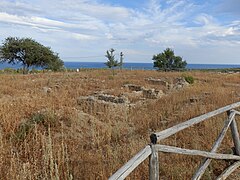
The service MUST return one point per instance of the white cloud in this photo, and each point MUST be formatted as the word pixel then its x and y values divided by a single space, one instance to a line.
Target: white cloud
pixel 204 20
pixel 79 36
pixel 86 26
pixel 28 21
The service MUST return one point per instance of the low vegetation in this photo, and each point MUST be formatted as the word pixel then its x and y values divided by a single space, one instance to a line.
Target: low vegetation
pixel 189 79
pixel 46 132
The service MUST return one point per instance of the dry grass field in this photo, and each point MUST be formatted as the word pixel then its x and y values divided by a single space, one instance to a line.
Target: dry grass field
pixel 45 133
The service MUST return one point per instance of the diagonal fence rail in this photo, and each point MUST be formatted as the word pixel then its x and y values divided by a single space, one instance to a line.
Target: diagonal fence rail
pixel 153 148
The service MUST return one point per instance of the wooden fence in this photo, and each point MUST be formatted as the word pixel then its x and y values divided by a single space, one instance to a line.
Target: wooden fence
pixel 153 148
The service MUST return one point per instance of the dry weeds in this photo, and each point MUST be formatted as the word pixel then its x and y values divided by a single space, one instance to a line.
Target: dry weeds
pixel 45 135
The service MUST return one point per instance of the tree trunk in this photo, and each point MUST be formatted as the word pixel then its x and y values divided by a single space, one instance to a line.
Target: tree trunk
pixel 25 68
pixel 113 72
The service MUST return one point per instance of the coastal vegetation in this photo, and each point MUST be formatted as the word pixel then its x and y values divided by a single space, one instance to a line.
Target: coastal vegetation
pixel 29 53
pixel 167 61
pixel 189 79
pixel 112 62
pixel 85 125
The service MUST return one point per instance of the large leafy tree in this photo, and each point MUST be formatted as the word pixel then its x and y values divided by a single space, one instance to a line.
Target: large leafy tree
pixel 168 61
pixel 29 53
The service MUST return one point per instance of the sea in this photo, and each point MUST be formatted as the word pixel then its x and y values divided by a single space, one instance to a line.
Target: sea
pixel 127 65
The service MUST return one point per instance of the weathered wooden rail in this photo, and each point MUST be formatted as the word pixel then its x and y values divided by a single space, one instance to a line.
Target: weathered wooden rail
pixel 153 148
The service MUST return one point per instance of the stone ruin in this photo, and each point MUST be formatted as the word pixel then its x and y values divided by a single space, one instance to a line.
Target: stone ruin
pixel 152 93
pixel 101 103
pixel 145 92
pixel 180 83
pixel 133 87
pixel 104 104
pixel 112 99
pixel 177 83
pixel 161 82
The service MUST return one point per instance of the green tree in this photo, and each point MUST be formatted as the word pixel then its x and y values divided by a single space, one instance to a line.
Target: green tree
pixel 29 53
pixel 168 61
pixel 111 61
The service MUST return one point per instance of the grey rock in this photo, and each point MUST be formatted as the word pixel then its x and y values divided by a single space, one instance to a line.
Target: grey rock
pixel 162 82
pixel 133 87
pixel 47 89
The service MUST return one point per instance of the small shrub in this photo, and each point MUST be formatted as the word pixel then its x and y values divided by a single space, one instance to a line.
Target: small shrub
pixel 20 70
pixel 189 79
pixel 44 118
pixel 111 77
pixel 9 70
pixel 34 71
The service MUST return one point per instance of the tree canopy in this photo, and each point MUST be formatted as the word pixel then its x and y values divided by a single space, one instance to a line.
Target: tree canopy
pixel 111 62
pixel 29 53
pixel 168 61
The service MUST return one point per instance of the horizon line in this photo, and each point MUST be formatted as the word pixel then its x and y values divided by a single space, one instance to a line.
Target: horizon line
pixel 151 63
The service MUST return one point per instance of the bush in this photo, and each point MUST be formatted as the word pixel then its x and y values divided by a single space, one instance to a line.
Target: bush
pixel 9 70
pixel 44 118
pixel 34 71
pixel 189 79
pixel 167 61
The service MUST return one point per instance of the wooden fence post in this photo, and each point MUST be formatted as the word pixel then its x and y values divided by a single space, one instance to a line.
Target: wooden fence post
pixel 153 160
pixel 235 134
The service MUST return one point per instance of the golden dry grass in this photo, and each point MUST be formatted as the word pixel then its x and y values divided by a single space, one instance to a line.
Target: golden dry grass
pixel 46 135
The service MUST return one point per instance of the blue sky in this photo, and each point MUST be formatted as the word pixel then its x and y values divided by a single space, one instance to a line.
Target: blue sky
pixel 82 30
